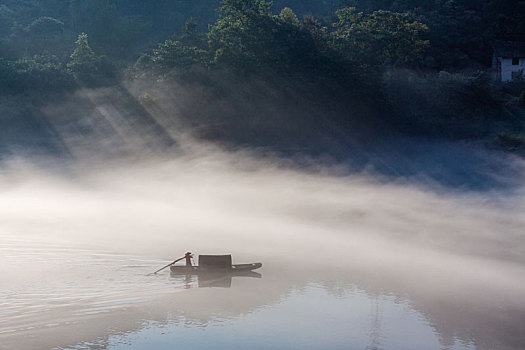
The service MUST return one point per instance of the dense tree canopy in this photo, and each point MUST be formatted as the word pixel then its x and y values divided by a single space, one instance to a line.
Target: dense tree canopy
pixel 459 32
pixel 86 66
pixel 357 50
pixel 381 38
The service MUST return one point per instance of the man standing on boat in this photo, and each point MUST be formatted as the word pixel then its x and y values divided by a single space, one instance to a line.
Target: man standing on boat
pixel 188 257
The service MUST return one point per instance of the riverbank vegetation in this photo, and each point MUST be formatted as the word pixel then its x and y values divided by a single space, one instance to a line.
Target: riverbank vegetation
pixel 415 68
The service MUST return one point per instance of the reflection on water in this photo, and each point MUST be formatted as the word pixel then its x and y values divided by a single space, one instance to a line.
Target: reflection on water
pixel 214 280
pixel 55 297
pixel 307 318
pixel 211 279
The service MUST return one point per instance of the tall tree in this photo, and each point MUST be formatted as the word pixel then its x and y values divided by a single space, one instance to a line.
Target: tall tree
pixel 243 35
pixel 83 58
pixel 182 51
pixel 88 68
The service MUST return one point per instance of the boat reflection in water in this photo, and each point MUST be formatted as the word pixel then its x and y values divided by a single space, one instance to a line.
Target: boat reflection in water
pixel 213 271
pixel 212 279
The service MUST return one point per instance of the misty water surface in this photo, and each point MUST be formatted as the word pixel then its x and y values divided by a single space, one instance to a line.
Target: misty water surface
pixel 349 260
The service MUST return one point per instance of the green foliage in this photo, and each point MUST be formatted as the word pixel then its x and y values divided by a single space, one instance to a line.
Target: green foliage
pixel 360 54
pixel 288 16
pixel 248 37
pixel 40 74
pixel 144 61
pixel 460 31
pixel 99 18
pixel 175 54
pixel 237 8
pixel 190 34
pixel 243 35
pixel 88 68
pixel 380 38
pixel 182 51
pixel 83 58
pixel 43 36
pixel 45 26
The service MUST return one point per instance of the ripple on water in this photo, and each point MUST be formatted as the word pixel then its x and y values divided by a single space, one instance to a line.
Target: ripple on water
pixel 43 280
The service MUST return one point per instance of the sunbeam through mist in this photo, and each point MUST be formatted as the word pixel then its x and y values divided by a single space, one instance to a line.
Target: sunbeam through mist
pixel 263 175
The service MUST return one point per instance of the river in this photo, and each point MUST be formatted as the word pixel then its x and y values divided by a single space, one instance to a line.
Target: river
pixel 349 261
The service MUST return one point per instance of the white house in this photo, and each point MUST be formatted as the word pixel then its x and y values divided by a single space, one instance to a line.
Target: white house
pixel 508 62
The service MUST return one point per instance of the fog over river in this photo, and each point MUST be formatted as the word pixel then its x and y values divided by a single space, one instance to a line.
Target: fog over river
pixel 350 260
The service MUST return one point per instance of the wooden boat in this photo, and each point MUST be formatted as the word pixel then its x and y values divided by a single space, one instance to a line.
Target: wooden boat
pixel 215 264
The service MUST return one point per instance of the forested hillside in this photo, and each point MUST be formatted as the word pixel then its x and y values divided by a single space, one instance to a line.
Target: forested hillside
pixel 417 67
pixel 117 28
pixel 460 31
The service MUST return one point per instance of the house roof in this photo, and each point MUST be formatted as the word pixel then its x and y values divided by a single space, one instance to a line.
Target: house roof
pixel 509 48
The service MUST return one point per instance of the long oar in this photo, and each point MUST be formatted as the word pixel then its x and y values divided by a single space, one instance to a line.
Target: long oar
pixel 167 266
